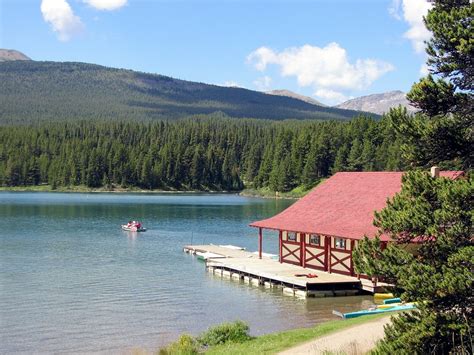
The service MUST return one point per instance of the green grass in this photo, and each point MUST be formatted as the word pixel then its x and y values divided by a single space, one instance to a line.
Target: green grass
pixel 275 342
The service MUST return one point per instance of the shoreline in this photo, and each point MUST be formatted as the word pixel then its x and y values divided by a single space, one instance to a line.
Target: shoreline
pixel 82 189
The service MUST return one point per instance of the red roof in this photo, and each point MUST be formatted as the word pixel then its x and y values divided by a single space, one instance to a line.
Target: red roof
pixel 342 206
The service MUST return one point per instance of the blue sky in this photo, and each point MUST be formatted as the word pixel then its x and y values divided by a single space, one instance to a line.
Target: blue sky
pixel 330 50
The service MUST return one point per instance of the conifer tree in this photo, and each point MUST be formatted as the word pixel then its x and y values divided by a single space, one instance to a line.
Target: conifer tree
pixel 434 214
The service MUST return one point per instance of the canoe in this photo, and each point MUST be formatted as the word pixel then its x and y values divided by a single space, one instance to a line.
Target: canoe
pixel 385 306
pixel 208 255
pixel 383 296
pixel 133 229
pixel 367 312
pixel 392 300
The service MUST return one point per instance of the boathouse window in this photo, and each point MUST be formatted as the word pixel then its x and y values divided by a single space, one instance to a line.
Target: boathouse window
pixel 340 243
pixel 291 236
pixel 315 239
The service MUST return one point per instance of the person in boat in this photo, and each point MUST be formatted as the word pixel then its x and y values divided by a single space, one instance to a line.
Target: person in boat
pixel 129 224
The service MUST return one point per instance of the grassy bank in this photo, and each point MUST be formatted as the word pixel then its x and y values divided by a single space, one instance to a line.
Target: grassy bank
pixel 275 342
pixel 233 338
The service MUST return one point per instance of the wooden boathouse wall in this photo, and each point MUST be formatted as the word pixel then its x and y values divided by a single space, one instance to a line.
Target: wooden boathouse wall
pixel 325 253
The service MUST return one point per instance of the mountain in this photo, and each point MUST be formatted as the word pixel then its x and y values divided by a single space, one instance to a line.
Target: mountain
pixel 294 95
pixel 378 103
pixel 32 91
pixel 11 54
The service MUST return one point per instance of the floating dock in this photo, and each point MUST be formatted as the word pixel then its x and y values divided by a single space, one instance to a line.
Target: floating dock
pixel 234 263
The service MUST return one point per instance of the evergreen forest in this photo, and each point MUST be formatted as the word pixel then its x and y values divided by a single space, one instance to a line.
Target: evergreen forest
pixel 203 153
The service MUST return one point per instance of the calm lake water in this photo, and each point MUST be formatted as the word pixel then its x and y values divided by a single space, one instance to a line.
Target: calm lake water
pixel 72 281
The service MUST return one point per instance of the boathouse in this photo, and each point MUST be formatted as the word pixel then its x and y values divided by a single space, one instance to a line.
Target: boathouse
pixel 321 230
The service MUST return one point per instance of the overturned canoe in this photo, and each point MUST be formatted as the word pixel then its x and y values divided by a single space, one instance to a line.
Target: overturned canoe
pixel 392 300
pixel 367 312
pixel 383 296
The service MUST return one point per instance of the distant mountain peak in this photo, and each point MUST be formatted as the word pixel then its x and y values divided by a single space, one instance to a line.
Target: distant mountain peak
pixel 294 95
pixel 7 55
pixel 378 103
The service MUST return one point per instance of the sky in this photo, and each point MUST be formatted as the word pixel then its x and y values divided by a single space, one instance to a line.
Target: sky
pixel 331 50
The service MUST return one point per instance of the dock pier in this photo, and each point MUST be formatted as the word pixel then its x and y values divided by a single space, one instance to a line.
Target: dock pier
pixel 237 264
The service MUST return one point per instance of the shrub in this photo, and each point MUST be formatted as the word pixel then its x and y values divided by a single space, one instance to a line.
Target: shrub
pixel 185 345
pixel 236 332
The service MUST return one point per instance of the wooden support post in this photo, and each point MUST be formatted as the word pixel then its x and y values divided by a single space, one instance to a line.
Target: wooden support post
pixel 326 252
pixel 260 243
pixel 327 247
pixel 352 256
pixel 280 237
pixel 303 249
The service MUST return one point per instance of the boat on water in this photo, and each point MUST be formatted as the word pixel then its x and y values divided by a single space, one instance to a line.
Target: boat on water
pixel 375 310
pixel 133 226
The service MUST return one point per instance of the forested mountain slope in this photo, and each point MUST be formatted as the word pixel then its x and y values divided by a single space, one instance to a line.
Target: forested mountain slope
pixel 32 91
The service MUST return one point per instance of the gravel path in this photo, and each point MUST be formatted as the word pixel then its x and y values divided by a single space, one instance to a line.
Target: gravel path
pixel 355 340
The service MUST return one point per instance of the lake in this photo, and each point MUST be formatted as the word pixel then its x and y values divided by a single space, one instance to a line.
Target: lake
pixel 72 281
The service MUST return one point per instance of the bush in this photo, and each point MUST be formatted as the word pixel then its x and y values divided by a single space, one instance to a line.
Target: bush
pixel 185 345
pixel 236 332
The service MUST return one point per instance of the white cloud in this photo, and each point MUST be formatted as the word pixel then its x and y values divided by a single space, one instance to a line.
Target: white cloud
pixel 413 12
pixel 263 83
pixel 60 16
pixel 108 5
pixel 334 97
pixel 322 68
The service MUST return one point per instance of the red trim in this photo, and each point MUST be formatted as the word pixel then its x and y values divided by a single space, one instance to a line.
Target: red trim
pixel 338 248
pixel 315 256
pixel 351 261
pixel 344 251
pixel 292 252
pixel 288 238
pixel 313 244
pixel 280 238
pixel 342 272
pixel 303 249
pixel 327 253
pixel 341 261
pixel 292 243
pixel 292 262
pixel 310 266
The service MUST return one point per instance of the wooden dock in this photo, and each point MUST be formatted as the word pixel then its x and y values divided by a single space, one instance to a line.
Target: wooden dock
pixel 294 280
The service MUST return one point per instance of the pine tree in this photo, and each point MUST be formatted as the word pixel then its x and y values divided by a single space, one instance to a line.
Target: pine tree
pixel 437 215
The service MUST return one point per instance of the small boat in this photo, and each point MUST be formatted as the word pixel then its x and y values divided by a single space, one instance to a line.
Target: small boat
pixel 366 312
pixel 133 226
